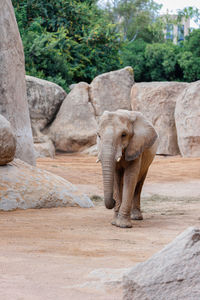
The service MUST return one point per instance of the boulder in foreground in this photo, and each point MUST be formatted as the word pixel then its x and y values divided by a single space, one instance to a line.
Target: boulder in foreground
pixel 24 186
pixel 173 273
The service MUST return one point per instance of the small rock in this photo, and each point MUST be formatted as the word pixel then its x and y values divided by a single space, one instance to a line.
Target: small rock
pixel 45 149
pixel 7 142
pixel 92 151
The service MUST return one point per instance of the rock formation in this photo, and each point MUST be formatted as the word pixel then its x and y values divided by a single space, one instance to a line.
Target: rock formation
pixel 13 104
pixel 7 142
pixel 157 101
pixel 75 126
pixel 111 91
pixel 24 186
pixel 187 118
pixel 172 273
pixel 44 100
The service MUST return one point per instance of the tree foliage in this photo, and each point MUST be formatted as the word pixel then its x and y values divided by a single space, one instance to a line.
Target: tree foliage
pixel 161 62
pixel 133 54
pixel 136 19
pixel 189 57
pixel 164 61
pixel 66 41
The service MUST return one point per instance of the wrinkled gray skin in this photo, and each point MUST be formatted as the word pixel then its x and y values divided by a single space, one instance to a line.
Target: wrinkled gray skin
pixel 127 144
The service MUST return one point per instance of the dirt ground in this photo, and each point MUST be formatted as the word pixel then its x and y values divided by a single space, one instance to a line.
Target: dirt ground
pixel 75 252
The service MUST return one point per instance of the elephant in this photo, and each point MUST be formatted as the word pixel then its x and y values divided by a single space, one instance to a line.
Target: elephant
pixel 126 144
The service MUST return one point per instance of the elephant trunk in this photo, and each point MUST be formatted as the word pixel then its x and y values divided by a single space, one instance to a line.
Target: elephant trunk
pixel 108 165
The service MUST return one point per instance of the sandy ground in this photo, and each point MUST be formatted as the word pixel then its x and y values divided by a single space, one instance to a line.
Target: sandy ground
pixel 75 252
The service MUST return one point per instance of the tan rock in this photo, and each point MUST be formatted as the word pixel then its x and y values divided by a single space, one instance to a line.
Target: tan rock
pixel 74 128
pixel 7 142
pixel 45 149
pixel 44 99
pixel 24 186
pixel 157 100
pixel 187 118
pixel 172 273
pixel 92 151
pixel 13 104
pixel 111 91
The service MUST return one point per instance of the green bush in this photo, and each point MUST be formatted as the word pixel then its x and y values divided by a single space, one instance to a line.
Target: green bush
pixel 162 62
pixel 189 57
pixel 133 54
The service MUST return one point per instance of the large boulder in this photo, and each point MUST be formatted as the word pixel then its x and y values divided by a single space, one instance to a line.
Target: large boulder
pixel 157 101
pixel 24 186
pixel 111 91
pixel 172 273
pixel 44 99
pixel 13 104
pixel 74 128
pixel 187 118
pixel 75 125
pixel 7 142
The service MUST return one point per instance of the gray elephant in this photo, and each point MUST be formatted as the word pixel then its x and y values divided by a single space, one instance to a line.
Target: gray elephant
pixel 127 144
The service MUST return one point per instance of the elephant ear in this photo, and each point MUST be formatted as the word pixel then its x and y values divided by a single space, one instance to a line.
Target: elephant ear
pixel 144 136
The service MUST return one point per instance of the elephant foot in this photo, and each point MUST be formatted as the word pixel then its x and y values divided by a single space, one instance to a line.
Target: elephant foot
pixel 136 214
pixel 123 222
pixel 113 222
pixel 114 219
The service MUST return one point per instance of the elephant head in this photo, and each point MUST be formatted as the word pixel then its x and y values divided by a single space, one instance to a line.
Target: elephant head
pixel 121 135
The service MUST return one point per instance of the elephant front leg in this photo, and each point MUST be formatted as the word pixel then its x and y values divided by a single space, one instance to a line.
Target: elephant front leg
pixel 118 183
pixel 130 180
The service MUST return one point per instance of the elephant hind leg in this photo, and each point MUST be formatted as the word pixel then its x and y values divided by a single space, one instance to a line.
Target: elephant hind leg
pixel 136 212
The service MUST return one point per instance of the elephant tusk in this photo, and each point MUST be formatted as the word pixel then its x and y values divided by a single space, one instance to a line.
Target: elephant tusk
pixel 119 158
pixel 98 160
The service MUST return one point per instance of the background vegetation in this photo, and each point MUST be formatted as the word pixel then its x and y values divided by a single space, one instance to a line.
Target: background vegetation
pixel 67 41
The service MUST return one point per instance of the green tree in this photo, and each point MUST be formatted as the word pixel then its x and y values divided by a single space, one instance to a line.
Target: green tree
pixel 189 58
pixel 137 19
pixel 66 41
pixel 162 62
pixel 133 54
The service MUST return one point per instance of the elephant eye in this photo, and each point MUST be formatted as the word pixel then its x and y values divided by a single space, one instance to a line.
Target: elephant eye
pixel 98 135
pixel 124 134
